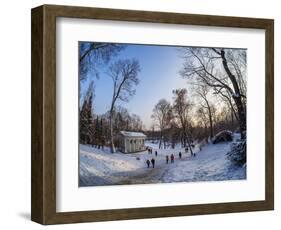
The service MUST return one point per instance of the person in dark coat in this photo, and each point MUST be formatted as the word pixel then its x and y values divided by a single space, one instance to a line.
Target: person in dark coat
pixel 172 158
pixel 180 155
pixel 153 162
pixel 167 159
pixel 156 153
pixel 148 163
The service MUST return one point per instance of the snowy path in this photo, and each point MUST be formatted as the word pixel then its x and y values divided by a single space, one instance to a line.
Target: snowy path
pixel 103 168
pixel 151 175
pixel 210 164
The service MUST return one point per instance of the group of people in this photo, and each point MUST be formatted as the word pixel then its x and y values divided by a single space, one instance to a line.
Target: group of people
pixel 149 150
pixel 152 161
pixel 192 153
pixel 170 158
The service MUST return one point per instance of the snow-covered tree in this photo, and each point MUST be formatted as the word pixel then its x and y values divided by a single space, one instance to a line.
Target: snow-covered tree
pixel 86 118
pixel 237 154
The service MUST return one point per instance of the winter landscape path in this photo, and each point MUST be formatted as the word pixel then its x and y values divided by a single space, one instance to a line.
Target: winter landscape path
pixel 100 167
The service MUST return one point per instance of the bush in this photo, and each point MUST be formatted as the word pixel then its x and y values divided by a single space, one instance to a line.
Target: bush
pixel 237 153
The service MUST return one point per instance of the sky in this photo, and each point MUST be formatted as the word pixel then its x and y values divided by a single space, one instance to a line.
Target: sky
pixel 159 75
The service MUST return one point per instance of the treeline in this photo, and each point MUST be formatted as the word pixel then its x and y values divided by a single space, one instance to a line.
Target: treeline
pixel 124 78
pixel 216 99
pixel 218 77
pixel 184 120
pixel 95 129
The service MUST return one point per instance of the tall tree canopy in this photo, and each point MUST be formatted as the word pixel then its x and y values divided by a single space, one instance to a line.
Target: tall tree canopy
pixel 221 69
pixel 124 75
pixel 93 54
pixel 181 109
pixel 162 114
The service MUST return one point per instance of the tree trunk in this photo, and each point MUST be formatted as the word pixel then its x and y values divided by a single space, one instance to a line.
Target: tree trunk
pixel 160 142
pixel 211 121
pixel 210 117
pixel 236 97
pixel 206 131
pixel 241 116
pixel 188 142
pixel 184 132
pixel 190 148
pixel 232 118
pixel 184 139
pixel 182 142
pixel 112 147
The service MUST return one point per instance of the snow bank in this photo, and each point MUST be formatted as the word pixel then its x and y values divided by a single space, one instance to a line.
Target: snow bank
pixel 211 164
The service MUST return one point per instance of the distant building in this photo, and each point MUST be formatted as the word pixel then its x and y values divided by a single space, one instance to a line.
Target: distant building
pixel 130 142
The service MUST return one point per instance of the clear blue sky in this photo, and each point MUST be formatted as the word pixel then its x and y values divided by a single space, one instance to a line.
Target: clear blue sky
pixel 159 75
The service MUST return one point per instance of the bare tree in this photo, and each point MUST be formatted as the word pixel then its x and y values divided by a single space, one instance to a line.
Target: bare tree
pixel 202 119
pixel 182 108
pixel 136 123
pixel 216 68
pixel 237 61
pixel 202 91
pixel 162 114
pixel 92 54
pixel 228 100
pixel 124 74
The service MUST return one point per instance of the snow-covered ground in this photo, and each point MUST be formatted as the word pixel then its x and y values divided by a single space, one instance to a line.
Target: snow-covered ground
pixel 100 167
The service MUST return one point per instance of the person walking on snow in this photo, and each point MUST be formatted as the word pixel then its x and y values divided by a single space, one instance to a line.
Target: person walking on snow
pixel 180 155
pixel 152 162
pixel 148 163
pixel 156 153
pixel 172 158
pixel 167 159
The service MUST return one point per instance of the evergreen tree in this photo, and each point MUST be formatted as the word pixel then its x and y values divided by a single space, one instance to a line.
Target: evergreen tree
pixel 86 118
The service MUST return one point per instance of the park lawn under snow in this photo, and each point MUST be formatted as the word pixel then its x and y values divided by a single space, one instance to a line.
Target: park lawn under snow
pixel 100 167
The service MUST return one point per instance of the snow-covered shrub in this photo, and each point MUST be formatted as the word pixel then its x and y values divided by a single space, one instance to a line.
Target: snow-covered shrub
pixel 222 136
pixel 237 153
